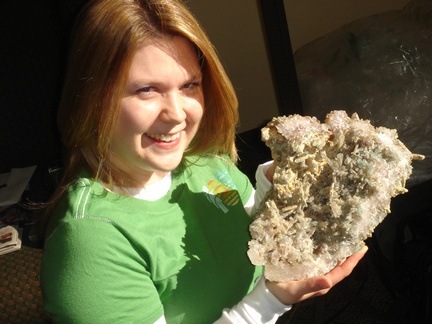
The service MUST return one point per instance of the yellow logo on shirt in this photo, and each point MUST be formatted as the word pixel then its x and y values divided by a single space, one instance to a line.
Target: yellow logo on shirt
pixel 222 195
pixel 230 198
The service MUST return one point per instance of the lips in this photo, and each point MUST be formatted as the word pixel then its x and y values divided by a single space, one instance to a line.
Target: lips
pixel 164 138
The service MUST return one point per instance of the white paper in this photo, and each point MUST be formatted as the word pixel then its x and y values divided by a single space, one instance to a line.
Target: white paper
pixel 16 182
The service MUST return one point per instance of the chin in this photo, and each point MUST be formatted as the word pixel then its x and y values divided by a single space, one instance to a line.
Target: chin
pixel 167 167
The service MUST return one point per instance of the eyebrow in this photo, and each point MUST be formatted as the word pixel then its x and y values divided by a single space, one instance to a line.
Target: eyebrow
pixel 143 82
pixel 196 77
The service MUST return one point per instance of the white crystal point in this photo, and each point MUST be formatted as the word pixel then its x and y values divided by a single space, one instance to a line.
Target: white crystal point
pixel 332 186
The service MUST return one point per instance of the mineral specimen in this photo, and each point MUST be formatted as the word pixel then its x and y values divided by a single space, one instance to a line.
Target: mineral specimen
pixel 332 186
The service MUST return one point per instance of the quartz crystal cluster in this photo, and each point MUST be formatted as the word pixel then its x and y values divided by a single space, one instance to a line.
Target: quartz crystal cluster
pixel 332 186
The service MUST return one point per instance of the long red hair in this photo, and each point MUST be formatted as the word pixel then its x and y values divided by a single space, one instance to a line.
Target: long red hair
pixel 106 35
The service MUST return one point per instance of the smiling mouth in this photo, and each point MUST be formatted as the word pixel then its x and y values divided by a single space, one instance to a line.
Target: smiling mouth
pixel 164 138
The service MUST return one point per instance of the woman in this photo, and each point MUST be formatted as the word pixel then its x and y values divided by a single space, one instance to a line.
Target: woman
pixel 150 222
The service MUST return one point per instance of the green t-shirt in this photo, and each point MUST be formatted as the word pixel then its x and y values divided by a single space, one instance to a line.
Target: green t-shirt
pixel 117 259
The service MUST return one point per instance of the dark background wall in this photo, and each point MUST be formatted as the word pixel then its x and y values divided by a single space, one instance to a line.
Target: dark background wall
pixel 33 41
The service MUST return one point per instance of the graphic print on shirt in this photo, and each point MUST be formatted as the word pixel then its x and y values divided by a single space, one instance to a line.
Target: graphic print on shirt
pixel 222 192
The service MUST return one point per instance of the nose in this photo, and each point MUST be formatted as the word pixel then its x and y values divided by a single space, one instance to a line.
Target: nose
pixel 173 110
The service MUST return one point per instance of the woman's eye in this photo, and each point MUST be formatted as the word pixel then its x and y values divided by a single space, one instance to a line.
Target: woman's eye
pixel 191 85
pixel 146 89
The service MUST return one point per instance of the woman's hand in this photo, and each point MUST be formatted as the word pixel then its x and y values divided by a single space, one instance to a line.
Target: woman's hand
pixel 270 171
pixel 292 292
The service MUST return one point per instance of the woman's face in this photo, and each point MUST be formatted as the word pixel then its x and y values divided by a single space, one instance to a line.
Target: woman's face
pixel 160 111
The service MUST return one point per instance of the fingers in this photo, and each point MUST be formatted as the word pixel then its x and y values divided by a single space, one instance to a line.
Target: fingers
pixel 292 292
pixel 295 291
pixel 343 270
pixel 270 172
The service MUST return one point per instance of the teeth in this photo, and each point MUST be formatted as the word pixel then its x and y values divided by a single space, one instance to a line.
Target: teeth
pixel 165 138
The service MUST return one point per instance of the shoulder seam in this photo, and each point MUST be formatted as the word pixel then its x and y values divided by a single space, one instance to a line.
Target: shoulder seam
pixel 83 198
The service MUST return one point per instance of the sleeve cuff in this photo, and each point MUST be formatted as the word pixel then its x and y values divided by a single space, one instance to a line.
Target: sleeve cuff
pixel 263 185
pixel 259 306
pixel 263 301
